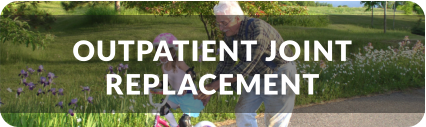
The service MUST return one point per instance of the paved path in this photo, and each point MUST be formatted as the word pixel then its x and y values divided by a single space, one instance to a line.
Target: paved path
pixel 404 108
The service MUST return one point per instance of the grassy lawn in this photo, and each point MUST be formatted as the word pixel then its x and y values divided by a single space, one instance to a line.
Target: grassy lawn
pixel 337 80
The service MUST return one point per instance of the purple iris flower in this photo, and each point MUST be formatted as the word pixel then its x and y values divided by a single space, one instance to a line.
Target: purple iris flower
pixel 31 86
pixel 60 104
pixel 73 101
pixel 71 112
pixel 53 90
pixel 86 88
pixel 90 100
pixel 19 91
pixel 126 66
pixel 119 69
pixel 23 74
pixel 61 91
pixel 40 69
pixel 42 80
pixel 40 92
pixel 24 81
pixel 110 68
pixel 201 46
pixel 48 82
pixel 121 65
pixel 30 70
pixel 51 75
pixel 217 53
pixel 200 58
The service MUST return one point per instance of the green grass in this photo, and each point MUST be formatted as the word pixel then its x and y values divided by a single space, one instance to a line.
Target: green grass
pixel 350 11
pixel 58 58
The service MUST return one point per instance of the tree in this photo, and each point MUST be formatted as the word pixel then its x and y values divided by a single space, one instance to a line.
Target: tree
pixel 71 5
pixel 19 21
pixel 395 5
pixel 117 6
pixel 385 7
pixel 370 6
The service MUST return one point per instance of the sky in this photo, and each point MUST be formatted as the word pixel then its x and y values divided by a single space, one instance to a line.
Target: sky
pixel 349 3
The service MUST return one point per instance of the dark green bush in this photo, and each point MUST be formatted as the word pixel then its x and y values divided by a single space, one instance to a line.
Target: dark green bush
pixel 28 12
pixel 101 14
pixel 418 28
pixel 299 20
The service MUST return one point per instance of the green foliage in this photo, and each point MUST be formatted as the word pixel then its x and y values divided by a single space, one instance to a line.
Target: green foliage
pixel 17 20
pixel 299 20
pixel 29 12
pixel 371 4
pixel 419 28
pixel 407 7
pixel 101 14
pixel 17 32
pixel 71 5
pixel 204 9
pixel 329 5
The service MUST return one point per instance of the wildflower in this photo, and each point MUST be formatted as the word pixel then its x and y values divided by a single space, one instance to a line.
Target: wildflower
pixel 200 58
pixel 53 90
pixel 40 69
pixel 406 38
pixel 121 97
pixel 322 64
pixel 51 75
pixel 78 120
pixel 42 80
pixel 60 104
pixel 24 81
pixel 370 45
pixel 61 91
pixel 131 108
pixel 143 105
pixel 217 52
pixel 104 111
pixel 126 66
pixel 90 100
pixel 23 74
pixel 19 91
pixel 31 86
pixel 40 92
pixel 110 69
pixel 30 70
pixel 73 101
pixel 71 112
pixel 201 46
pixel 113 112
pixel 8 89
pixel 86 88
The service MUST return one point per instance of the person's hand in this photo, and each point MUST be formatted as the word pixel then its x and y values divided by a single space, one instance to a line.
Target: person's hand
pixel 183 93
pixel 201 95
pixel 205 101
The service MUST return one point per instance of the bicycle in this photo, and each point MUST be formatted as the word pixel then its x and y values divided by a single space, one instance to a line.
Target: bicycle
pixel 159 122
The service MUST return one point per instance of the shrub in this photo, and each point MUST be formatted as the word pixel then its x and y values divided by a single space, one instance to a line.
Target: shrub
pixel 28 12
pixel 299 20
pixel 101 14
pixel 418 28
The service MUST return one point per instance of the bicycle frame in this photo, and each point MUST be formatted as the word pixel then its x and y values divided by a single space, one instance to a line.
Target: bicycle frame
pixel 158 121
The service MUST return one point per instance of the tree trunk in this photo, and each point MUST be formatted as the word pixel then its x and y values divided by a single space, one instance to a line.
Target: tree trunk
pixel 372 10
pixel 205 26
pixel 117 6
pixel 394 9
pixel 386 6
